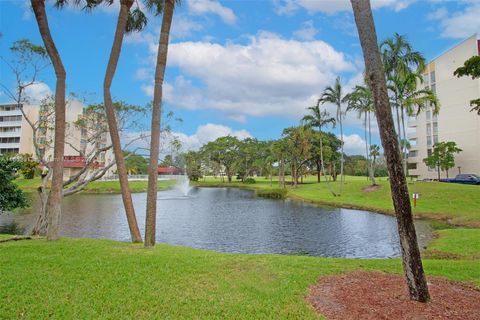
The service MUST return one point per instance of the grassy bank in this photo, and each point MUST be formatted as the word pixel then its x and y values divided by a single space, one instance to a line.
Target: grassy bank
pixel 453 203
pixel 82 278
pixel 31 185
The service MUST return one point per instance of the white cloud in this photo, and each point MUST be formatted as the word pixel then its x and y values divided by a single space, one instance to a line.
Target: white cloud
pixel 268 76
pixel 201 7
pixel 36 92
pixel 288 7
pixel 307 31
pixel 353 144
pixel 460 24
pixel 183 27
pixel 139 141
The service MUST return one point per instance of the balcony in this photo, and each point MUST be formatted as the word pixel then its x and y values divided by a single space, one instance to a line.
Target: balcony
pixel 10 113
pixel 10 145
pixel 11 123
pixel 412 135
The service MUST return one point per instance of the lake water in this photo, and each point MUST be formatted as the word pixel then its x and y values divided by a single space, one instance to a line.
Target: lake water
pixel 233 220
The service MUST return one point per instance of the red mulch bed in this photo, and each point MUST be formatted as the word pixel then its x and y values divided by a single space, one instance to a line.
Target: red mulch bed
pixel 371 188
pixel 377 295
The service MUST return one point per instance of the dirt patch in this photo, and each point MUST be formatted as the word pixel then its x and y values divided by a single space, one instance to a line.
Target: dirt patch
pixel 377 295
pixel 371 188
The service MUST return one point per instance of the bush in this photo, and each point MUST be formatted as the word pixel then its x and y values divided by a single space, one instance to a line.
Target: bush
pixel 272 193
pixel 249 181
pixel 11 196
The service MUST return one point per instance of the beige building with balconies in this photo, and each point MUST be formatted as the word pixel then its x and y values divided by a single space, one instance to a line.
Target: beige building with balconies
pixel 454 121
pixel 16 136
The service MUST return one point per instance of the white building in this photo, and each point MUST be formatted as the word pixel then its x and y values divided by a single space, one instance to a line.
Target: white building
pixel 454 122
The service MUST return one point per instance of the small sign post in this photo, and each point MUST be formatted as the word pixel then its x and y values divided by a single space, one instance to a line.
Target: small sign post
pixel 415 197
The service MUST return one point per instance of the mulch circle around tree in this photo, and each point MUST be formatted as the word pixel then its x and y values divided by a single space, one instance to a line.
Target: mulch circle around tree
pixel 377 295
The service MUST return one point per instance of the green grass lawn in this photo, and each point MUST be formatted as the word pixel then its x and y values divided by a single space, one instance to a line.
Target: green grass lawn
pixel 31 185
pixel 86 279
pixel 453 203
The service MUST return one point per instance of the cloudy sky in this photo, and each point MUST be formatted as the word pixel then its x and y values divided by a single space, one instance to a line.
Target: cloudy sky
pixel 244 68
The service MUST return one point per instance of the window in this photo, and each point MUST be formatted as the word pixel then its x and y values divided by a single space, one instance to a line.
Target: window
pixel 434 88
pixel 412 154
pixel 432 76
pixel 435 128
pixel 429 141
pixel 10 118
pixel 429 129
pixel 429 115
pixel 425 79
pixel 435 139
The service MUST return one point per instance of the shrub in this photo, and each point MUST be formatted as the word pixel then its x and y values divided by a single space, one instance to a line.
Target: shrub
pixel 249 181
pixel 272 193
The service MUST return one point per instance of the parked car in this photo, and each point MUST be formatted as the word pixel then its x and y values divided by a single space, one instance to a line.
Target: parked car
pixel 468 178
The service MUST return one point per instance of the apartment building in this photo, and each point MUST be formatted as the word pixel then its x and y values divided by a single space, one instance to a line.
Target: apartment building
pixel 454 121
pixel 16 135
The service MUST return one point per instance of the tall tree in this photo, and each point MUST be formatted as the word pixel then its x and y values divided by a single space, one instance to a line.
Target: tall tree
pixel 318 119
pixel 126 22
pixel 54 202
pixel 150 221
pixel 443 156
pixel 361 100
pixel 335 95
pixel 471 67
pixel 375 75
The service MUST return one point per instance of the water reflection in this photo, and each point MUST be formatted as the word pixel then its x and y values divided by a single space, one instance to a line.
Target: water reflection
pixel 232 220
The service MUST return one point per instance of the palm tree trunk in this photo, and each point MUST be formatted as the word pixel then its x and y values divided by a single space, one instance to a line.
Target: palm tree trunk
pixel 341 148
pixel 323 164
pixel 404 151
pixel 372 164
pixel 375 75
pixel 54 202
pixel 150 222
pixel 366 149
pixel 125 6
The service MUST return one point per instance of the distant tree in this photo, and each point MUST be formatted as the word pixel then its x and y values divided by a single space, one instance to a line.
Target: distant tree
pixel 29 166
pixel 443 156
pixel 225 153
pixel 193 162
pixel 135 164
pixel 471 67
pixel 297 142
pixel 334 94
pixel 11 196
pixel 374 154
pixel 375 75
pixel 361 100
pixel 318 119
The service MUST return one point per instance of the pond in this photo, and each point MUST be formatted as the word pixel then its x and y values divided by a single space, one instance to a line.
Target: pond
pixel 233 220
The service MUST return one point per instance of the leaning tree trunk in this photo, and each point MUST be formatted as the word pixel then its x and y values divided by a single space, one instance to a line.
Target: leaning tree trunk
pixel 54 202
pixel 375 75
pixel 404 150
pixel 150 221
pixel 125 6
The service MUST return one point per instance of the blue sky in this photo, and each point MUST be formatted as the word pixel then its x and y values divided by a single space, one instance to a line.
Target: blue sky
pixel 235 67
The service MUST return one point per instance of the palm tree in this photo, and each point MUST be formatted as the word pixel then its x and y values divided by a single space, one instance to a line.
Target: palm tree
pixel 360 99
pixel 409 101
pixel 403 67
pixel 127 21
pixel 150 222
pixel 374 153
pixel 334 95
pixel 375 73
pixel 50 224
pixel 318 119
